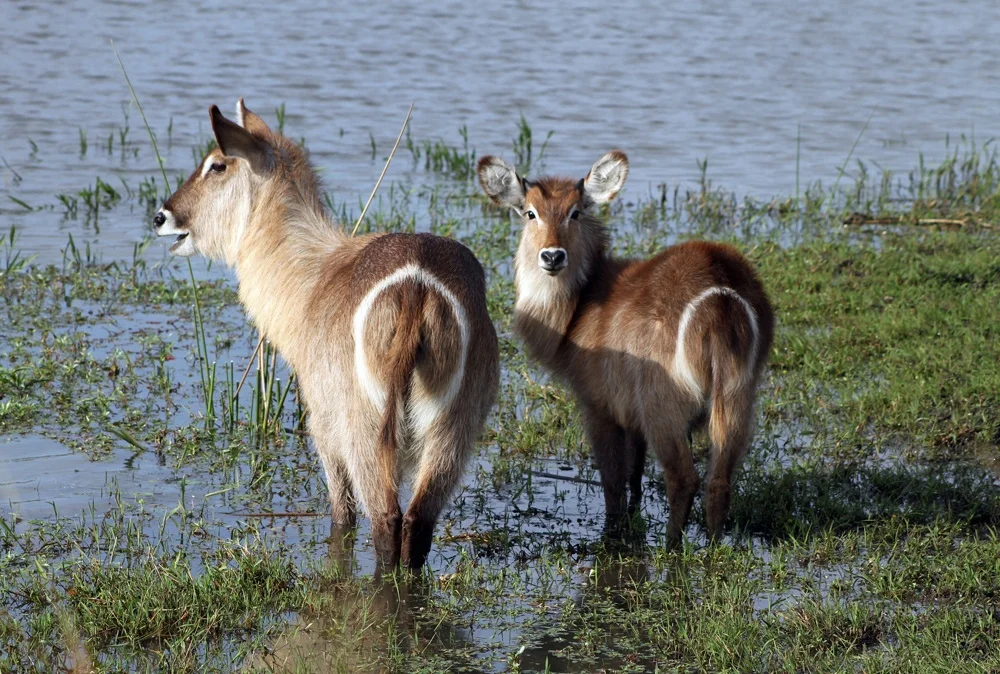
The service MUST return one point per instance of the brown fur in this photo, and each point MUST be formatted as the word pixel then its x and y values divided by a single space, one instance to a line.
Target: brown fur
pixel 609 328
pixel 303 281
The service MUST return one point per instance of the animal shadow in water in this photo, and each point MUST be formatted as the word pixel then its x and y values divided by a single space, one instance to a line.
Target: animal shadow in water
pixel 777 502
pixel 362 623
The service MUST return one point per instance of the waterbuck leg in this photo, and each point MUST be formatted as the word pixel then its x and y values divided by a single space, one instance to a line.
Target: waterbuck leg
pixel 730 430
pixel 376 487
pixel 637 444
pixel 386 535
pixel 342 500
pixel 442 461
pixel 608 445
pixel 340 548
pixel 674 454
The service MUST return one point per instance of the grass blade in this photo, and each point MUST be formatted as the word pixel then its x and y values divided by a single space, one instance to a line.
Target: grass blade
pixel 122 434
pixel 843 167
pixel 384 169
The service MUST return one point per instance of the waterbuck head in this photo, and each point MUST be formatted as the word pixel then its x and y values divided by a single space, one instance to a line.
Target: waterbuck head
pixel 562 235
pixel 210 212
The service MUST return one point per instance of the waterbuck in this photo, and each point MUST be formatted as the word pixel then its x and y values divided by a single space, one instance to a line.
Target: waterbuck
pixel 653 349
pixel 389 336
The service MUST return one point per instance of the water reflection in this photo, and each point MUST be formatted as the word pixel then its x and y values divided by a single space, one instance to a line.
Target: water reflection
pixel 365 624
pixel 613 578
pixel 368 624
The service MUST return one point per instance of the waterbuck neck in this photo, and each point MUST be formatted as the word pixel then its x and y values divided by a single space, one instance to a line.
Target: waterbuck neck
pixel 280 259
pixel 544 320
pixel 543 328
pixel 544 308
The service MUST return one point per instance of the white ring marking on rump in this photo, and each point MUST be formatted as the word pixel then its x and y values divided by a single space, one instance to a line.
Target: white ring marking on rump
pixel 682 368
pixel 372 387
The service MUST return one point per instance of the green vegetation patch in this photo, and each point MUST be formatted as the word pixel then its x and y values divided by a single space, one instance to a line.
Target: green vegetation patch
pixel 895 340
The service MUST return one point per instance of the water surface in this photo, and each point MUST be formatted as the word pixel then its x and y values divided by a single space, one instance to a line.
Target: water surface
pixel 670 84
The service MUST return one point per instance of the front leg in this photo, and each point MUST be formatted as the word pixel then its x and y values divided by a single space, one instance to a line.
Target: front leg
pixel 637 450
pixel 340 549
pixel 608 445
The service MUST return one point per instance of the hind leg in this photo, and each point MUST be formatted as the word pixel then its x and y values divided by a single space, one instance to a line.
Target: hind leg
pixel 341 496
pixel 637 446
pixel 387 522
pixel 442 461
pixel 387 533
pixel 674 454
pixel 338 481
pixel 730 431
pixel 377 488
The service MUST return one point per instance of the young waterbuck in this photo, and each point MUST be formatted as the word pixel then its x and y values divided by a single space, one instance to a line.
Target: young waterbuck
pixel 389 336
pixel 653 349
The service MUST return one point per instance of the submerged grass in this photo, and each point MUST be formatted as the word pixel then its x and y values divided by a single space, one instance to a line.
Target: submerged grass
pixel 864 528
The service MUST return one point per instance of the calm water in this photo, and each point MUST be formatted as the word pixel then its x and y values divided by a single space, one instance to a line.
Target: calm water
pixel 669 84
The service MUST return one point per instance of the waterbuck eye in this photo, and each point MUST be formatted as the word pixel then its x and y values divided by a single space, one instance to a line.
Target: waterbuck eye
pixel 218 167
pixel 530 215
pixel 575 215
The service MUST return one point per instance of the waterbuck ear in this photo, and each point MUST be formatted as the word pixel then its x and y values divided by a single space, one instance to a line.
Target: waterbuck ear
pixel 501 183
pixel 250 120
pixel 235 141
pixel 606 177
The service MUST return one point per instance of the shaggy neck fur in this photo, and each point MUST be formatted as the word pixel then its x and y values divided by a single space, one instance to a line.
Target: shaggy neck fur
pixel 279 257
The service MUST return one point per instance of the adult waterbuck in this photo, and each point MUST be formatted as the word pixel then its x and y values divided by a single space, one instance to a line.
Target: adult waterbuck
pixel 389 336
pixel 653 349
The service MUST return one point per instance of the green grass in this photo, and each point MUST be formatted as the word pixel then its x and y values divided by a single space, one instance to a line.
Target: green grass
pixel 899 337
pixel 864 524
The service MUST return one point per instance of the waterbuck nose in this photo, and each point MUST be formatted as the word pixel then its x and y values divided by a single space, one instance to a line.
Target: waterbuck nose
pixel 552 259
pixel 159 219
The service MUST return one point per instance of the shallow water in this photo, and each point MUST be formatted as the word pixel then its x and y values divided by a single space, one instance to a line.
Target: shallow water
pixel 671 85
pixel 40 477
